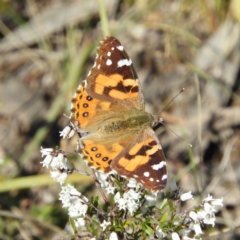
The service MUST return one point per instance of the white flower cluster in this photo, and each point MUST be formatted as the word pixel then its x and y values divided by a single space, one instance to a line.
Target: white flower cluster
pixel 76 204
pixel 58 164
pixel 194 220
pixel 206 215
pixel 129 200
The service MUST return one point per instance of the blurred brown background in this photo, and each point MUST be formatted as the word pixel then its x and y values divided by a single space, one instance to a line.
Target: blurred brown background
pixel 48 47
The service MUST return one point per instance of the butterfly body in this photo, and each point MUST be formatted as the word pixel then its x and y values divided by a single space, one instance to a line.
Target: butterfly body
pixel 134 122
pixel 109 107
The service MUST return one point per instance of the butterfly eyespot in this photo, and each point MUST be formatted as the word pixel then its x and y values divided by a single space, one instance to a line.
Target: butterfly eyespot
pixel 85 114
pixel 105 158
pixel 85 105
pixel 94 149
pixel 98 155
pixel 89 98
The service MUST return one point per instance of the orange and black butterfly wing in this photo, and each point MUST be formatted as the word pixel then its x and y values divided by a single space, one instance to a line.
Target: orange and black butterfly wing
pixel 144 161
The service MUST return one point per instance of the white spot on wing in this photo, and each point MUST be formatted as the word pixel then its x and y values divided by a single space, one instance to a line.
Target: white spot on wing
pixel 124 62
pixel 151 179
pixel 146 174
pixel 109 54
pixel 84 82
pixel 109 62
pixel 98 66
pixel 112 48
pixel 159 165
pixel 164 177
pixel 120 48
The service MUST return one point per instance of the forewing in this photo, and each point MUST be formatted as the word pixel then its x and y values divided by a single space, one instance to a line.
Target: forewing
pixel 113 77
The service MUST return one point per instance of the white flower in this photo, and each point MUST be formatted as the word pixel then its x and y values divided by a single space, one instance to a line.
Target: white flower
pixel 209 219
pixel 186 196
pixel 208 198
pixel 201 213
pixel 122 204
pixel 110 189
pixel 102 178
pixel 175 236
pixel 47 161
pixel 117 197
pixel 159 233
pixel 55 161
pixel 132 183
pixel 194 216
pixel 77 209
pixel 120 201
pixel 217 202
pixel 113 236
pixel 79 222
pixel 132 206
pixel 209 208
pixel 132 198
pixel 132 194
pixel 46 151
pixel 104 224
pixel 67 132
pixel 59 176
pixel 197 229
pixel 69 195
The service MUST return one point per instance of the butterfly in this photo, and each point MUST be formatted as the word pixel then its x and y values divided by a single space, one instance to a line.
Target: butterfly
pixel 108 111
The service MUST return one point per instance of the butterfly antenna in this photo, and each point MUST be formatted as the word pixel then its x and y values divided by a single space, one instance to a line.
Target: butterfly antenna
pixel 161 121
pixel 182 90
